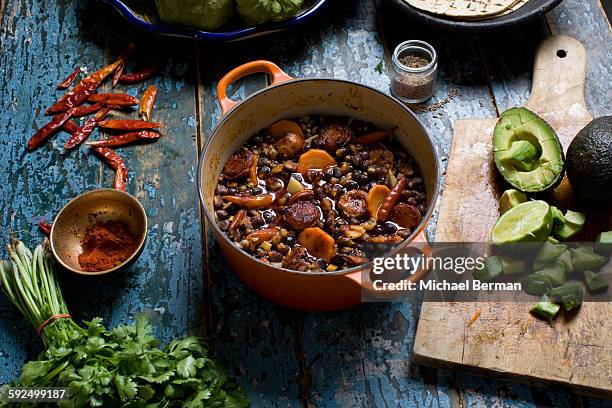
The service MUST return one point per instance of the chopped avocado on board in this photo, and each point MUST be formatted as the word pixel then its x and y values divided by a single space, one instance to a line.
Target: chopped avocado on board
pixel 585 259
pixel 594 283
pixel 526 222
pixel 548 254
pixel 545 308
pixel 492 269
pixel 556 272
pixel 604 237
pixel 589 161
pixel 512 266
pixel 574 222
pixel 511 198
pixel 537 284
pixel 569 295
pixel 558 218
pixel 527 152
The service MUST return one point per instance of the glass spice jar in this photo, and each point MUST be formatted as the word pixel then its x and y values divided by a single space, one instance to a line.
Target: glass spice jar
pixel 415 68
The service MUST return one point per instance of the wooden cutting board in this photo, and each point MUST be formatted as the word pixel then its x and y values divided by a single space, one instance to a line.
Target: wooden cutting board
pixel 506 340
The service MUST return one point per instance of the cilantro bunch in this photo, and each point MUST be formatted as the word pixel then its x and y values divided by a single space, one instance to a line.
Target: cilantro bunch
pixel 107 368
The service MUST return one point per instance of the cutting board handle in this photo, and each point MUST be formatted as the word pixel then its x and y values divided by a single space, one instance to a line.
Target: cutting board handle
pixel 559 75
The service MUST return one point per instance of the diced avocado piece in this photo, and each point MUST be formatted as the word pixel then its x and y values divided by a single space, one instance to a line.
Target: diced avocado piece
pixel 585 259
pixel 536 284
pixel 545 308
pixel 604 237
pixel 511 198
pixel 492 269
pixel 552 240
pixel 527 151
pixel 521 155
pixel 574 222
pixel 569 295
pixel 556 272
pixel 604 243
pixel 589 161
pixel 566 259
pixel 595 283
pixel 512 266
pixel 558 218
pixel 548 254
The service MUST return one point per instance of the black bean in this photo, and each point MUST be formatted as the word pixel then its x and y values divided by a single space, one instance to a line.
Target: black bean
pixel 341 152
pixel 275 256
pixel 265 170
pixel 263 161
pixel 224 225
pixel 232 191
pixel 328 173
pixel 351 185
pixel 365 155
pixel 344 241
pixel 388 228
pixel 377 230
pixel 257 221
pixel 268 216
pixel 221 214
pixel 221 190
pixel 289 240
pixel 422 209
pixel 404 233
pixel 322 263
pixel 217 201
pixel 356 160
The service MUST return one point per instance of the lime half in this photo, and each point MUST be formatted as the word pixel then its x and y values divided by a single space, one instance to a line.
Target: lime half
pixel 526 222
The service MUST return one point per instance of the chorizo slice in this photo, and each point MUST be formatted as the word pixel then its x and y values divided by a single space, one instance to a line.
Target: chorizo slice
pixel 334 136
pixel 406 216
pixel 354 203
pixel 302 214
pixel 289 145
pixel 239 165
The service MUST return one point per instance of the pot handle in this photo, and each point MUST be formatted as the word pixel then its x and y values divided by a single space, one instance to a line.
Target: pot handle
pixel 253 67
pixel 364 280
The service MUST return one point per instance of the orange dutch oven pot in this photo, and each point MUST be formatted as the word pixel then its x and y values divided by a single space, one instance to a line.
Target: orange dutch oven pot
pixel 288 98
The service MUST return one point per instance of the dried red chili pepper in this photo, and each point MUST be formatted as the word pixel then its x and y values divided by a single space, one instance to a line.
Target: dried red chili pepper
pixel 85 110
pixel 77 95
pixel 135 77
pixel 125 54
pixel 69 79
pixel 45 227
pixel 114 99
pixel 70 127
pixel 128 124
pixel 47 130
pixel 116 162
pixel 84 131
pixel 126 138
pixel 147 101
pixel 238 218
pixel 392 198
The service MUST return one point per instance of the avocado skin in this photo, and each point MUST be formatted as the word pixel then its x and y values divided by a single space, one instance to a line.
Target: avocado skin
pixel 549 174
pixel 589 161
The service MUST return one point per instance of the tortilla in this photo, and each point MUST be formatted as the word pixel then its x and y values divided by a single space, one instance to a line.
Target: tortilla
pixel 512 9
pixel 464 8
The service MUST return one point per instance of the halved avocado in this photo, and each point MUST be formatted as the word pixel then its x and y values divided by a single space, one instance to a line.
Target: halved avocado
pixel 527 152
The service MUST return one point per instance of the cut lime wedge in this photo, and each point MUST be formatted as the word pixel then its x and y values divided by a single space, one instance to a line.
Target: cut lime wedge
pixel 526 222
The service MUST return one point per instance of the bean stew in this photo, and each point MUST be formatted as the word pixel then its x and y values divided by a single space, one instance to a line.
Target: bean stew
pixel 317 193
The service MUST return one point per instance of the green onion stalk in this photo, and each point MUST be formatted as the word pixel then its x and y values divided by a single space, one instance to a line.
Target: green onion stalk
pixel 29 282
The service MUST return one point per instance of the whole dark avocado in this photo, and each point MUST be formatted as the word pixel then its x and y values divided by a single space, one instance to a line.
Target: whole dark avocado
pixel 589 161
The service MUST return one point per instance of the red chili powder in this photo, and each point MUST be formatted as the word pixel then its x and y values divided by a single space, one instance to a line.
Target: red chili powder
pixel 106 245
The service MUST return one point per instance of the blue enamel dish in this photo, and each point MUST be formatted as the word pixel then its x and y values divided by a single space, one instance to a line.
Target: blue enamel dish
pixel 145 17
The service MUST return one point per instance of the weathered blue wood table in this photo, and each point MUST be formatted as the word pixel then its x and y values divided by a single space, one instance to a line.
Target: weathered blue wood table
pixel 283 358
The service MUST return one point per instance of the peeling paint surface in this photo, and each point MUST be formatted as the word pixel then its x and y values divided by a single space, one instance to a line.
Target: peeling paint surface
pixel 283 358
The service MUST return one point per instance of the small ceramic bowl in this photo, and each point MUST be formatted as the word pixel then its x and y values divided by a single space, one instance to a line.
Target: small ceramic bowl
pixel 71 223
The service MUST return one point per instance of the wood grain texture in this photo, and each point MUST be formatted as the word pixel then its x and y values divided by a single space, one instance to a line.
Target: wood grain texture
pixel 166 281
pixel 506 339
pixel 253 337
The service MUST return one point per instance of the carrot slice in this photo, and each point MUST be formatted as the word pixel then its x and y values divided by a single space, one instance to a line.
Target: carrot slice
pixel 377 196
pixel 314 159
pixel 318 243
pixel 282 127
